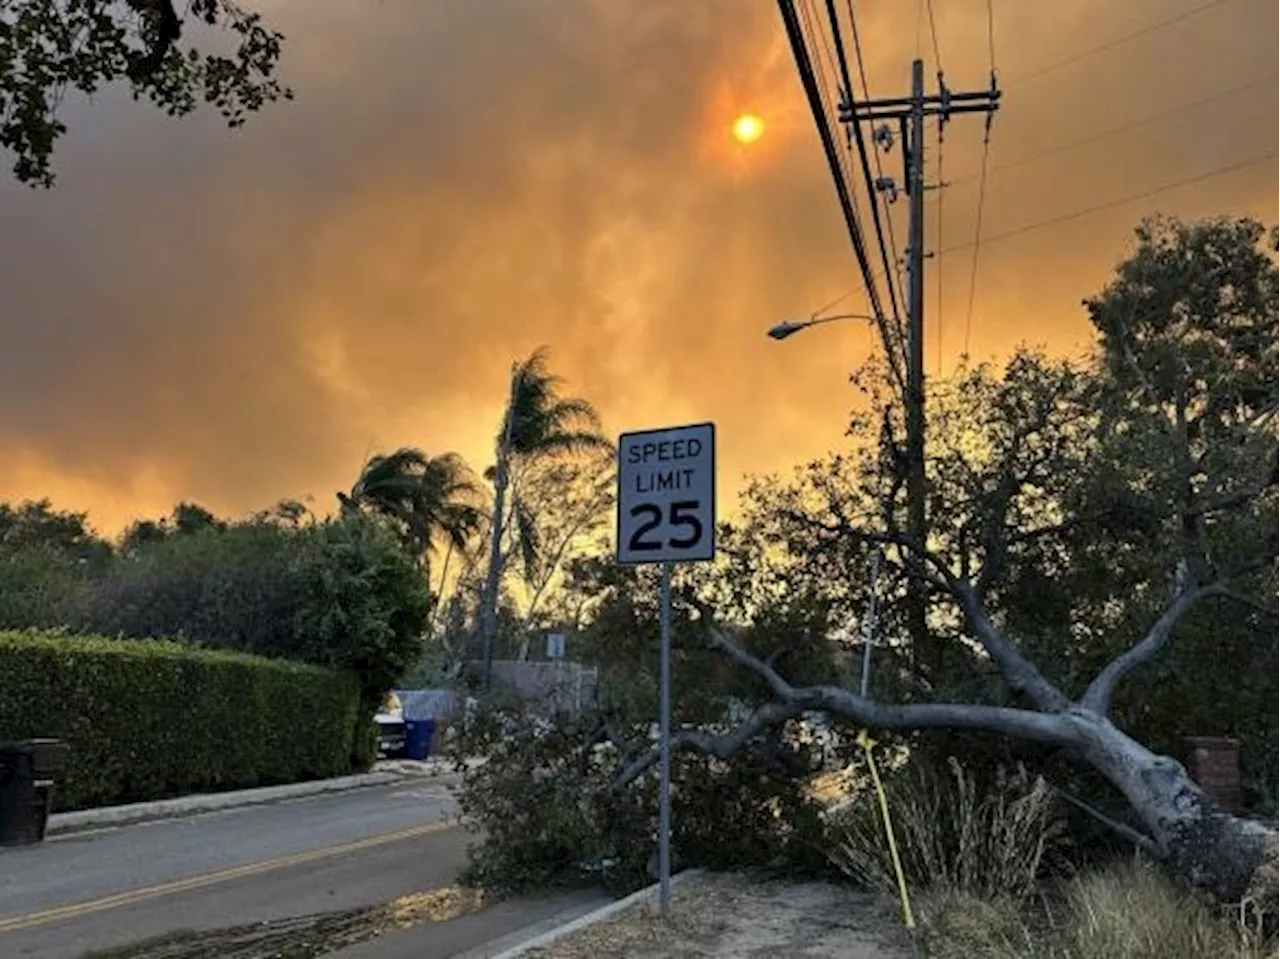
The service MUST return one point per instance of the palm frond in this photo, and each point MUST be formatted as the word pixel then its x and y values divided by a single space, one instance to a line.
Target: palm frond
pixel 538 419
pixel 573 443
pixel 423 497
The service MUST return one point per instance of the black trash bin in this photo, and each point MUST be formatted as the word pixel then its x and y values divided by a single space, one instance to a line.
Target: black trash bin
pixel 29 771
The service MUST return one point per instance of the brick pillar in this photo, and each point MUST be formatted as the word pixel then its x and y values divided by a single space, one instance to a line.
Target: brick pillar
pixel 1214 763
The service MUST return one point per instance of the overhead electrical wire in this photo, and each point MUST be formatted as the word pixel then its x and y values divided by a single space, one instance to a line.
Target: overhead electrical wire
pixel 804 66
pixel 937 245
pixel 894 273
pixel 1118 41
pixel 1059 219
pixel 991 35
pixel 811 29
pixel 982 191
pixel 1121 128
pixel 889 326
pixel 861 142
pixel 933 33
pixel 939 183
pixel 1118 201
pixel 979 238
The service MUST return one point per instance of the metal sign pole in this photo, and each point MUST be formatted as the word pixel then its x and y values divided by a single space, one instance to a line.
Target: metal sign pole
pixel 664 746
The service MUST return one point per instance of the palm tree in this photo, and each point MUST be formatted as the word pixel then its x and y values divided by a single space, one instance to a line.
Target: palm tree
pixel 426 498
pixel 538 423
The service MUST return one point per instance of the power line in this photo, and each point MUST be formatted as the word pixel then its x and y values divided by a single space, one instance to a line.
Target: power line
pixel 807 16
pixel 1122 127
pixel 894 273
pixel 977 245
pixel 805 68
pixel 991 36
pixel 1096 208
pixel 1118 201
pixel 919 27
pixel 812 24
pixel 933 32
pixel 1118 41
pixel 862 155
pixel 940 187
pixel 982 189
pixel 809 19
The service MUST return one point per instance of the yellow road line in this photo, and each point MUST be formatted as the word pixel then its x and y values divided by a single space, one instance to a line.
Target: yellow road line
pixel 102 904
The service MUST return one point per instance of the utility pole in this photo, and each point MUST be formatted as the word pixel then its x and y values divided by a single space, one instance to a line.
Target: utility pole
pixel 910 113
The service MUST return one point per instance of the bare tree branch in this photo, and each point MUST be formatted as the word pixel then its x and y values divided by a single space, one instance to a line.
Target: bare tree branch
pixel 1098 696
pixel 720 746
pixel 791 701
pixel 1145 843
pixel 1263 608
pixel 1242 496
pixel 1017 670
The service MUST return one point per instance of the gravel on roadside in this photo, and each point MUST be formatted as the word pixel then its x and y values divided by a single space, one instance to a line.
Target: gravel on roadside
pixel 717 916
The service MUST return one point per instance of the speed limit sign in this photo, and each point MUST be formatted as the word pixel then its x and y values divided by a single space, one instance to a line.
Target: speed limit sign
pixel 666 515
pixel 667 495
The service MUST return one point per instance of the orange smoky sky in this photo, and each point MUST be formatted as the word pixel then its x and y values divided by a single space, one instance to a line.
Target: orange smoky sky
pixel 237 317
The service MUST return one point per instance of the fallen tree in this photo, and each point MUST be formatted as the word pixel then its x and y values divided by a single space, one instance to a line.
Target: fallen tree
pixel 1165 448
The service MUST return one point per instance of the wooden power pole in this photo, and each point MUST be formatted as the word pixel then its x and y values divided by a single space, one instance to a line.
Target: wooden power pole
pixel 909 114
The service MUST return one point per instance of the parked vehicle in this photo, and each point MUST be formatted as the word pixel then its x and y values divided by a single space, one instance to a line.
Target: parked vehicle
pixel 391 731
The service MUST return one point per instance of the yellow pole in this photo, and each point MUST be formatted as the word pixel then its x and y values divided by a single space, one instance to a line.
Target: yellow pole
pixel 866 742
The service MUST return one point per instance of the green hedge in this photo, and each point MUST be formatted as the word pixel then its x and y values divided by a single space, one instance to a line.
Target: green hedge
pixel 147 719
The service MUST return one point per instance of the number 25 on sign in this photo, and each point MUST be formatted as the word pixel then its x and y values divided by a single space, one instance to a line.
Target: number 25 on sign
pixel 667 495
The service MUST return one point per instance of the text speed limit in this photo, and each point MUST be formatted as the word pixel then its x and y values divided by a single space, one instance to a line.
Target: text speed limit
pixel 666 495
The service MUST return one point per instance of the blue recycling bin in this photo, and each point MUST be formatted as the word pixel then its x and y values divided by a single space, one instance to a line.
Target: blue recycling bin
pixel 417 737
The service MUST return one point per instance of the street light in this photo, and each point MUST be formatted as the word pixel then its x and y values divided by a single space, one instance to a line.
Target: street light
pixel 784 329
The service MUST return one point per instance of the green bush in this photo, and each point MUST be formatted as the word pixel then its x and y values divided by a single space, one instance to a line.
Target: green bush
pixel 341 593
pixel 545 806
pixel 147 719
pixel 36 591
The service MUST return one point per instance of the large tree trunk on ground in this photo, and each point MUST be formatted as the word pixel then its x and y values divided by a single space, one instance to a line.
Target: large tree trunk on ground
pixel 1181 825
pixel 1196 838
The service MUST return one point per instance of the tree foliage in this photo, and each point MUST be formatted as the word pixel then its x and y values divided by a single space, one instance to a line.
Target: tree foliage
pixel 51 47
pixel 425 499
pixel 540 426
pixel 337 593
pixel 1083 517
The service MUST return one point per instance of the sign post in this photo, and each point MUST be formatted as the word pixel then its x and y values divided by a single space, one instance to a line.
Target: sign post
pixel 666 514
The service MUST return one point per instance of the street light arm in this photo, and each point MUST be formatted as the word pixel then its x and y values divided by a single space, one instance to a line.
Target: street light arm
pixel 784 329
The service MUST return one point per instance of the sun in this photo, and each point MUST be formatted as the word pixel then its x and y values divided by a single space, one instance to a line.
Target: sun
pixel 748 128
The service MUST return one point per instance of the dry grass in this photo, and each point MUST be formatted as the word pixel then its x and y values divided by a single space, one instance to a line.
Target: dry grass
pixel 1128 910
pixel 989 843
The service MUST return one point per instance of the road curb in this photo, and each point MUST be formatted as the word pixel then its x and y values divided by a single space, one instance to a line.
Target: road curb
pixel 597 915
pixel 133 813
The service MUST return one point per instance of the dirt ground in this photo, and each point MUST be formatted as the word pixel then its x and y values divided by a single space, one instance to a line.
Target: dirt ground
pixel 744 918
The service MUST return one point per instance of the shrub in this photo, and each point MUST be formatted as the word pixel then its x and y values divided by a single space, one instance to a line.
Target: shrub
pixel 341 594
pixel 1124 910
pixel 952 832
pixel 37 591
pixel 547 814
pixel 148 719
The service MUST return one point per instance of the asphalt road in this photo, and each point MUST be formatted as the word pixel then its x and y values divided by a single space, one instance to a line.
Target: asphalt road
pixel 80 893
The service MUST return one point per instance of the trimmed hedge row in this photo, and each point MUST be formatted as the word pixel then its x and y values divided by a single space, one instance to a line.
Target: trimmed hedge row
pixel 149 719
